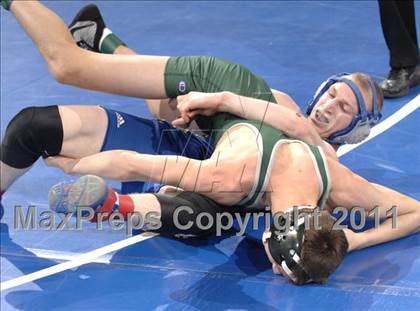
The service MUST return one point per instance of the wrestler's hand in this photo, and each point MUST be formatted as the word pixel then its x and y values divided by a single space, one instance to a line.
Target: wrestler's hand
pixel 65 163
pixel 195 103
pixel 353 238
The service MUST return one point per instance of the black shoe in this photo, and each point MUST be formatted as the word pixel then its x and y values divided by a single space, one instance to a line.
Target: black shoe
pixel 87 28
pixel 415 77
pixel 399 81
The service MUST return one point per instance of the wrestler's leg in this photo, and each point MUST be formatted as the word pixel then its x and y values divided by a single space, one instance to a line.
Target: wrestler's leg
pixel 160 108
pixel 131 75
pixel 179 214
pixel 82 136
pixel 158 212
pixel 165 109
pixel 73 131
pixel 90 32
pixel 80 131
pixel 124 50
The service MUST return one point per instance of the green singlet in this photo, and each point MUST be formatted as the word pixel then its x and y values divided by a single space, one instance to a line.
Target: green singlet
pixel 210 74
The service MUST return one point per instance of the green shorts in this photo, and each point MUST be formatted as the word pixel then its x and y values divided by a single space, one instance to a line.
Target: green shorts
pixel 209 74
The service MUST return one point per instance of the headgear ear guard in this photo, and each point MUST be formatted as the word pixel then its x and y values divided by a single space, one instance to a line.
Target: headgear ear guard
pixel 285 245
pixel 361 124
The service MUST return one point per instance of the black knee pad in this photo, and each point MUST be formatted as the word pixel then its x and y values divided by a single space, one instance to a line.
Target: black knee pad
pixel 184 209
pixel 33 132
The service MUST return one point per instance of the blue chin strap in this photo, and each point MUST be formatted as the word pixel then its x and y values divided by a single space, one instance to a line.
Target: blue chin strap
pixel 361 124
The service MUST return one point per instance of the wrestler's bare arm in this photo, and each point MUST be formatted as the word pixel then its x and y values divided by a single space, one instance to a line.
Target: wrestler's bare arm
pixel 285 100
pixel 278 116
pixel 350 190
pixel 285 116
pixel 123 165
pixel 234 156
pixel 293 123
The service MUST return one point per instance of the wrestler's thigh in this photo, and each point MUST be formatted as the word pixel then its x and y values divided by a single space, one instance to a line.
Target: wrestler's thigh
pixel 130 75
pixel 84 129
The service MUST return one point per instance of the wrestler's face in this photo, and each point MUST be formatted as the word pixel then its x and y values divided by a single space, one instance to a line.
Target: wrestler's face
pixel 276 267
pixel 336 109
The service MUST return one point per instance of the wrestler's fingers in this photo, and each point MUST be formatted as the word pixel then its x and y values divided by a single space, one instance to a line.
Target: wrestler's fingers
pixel 185 114
pixel 179 122
pixel 180 106
pixel 193 101
pixel 196 103
pixel 64 163
pixel 183 106
pixel 182 99
pixel 204 112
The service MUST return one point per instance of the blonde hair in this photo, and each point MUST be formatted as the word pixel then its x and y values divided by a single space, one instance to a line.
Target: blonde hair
pixel 362 80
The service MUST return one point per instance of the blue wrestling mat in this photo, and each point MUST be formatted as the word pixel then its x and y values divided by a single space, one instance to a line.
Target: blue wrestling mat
pixel 294 46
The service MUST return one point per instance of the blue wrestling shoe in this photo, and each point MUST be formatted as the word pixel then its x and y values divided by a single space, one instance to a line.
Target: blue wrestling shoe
pixel 87 191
